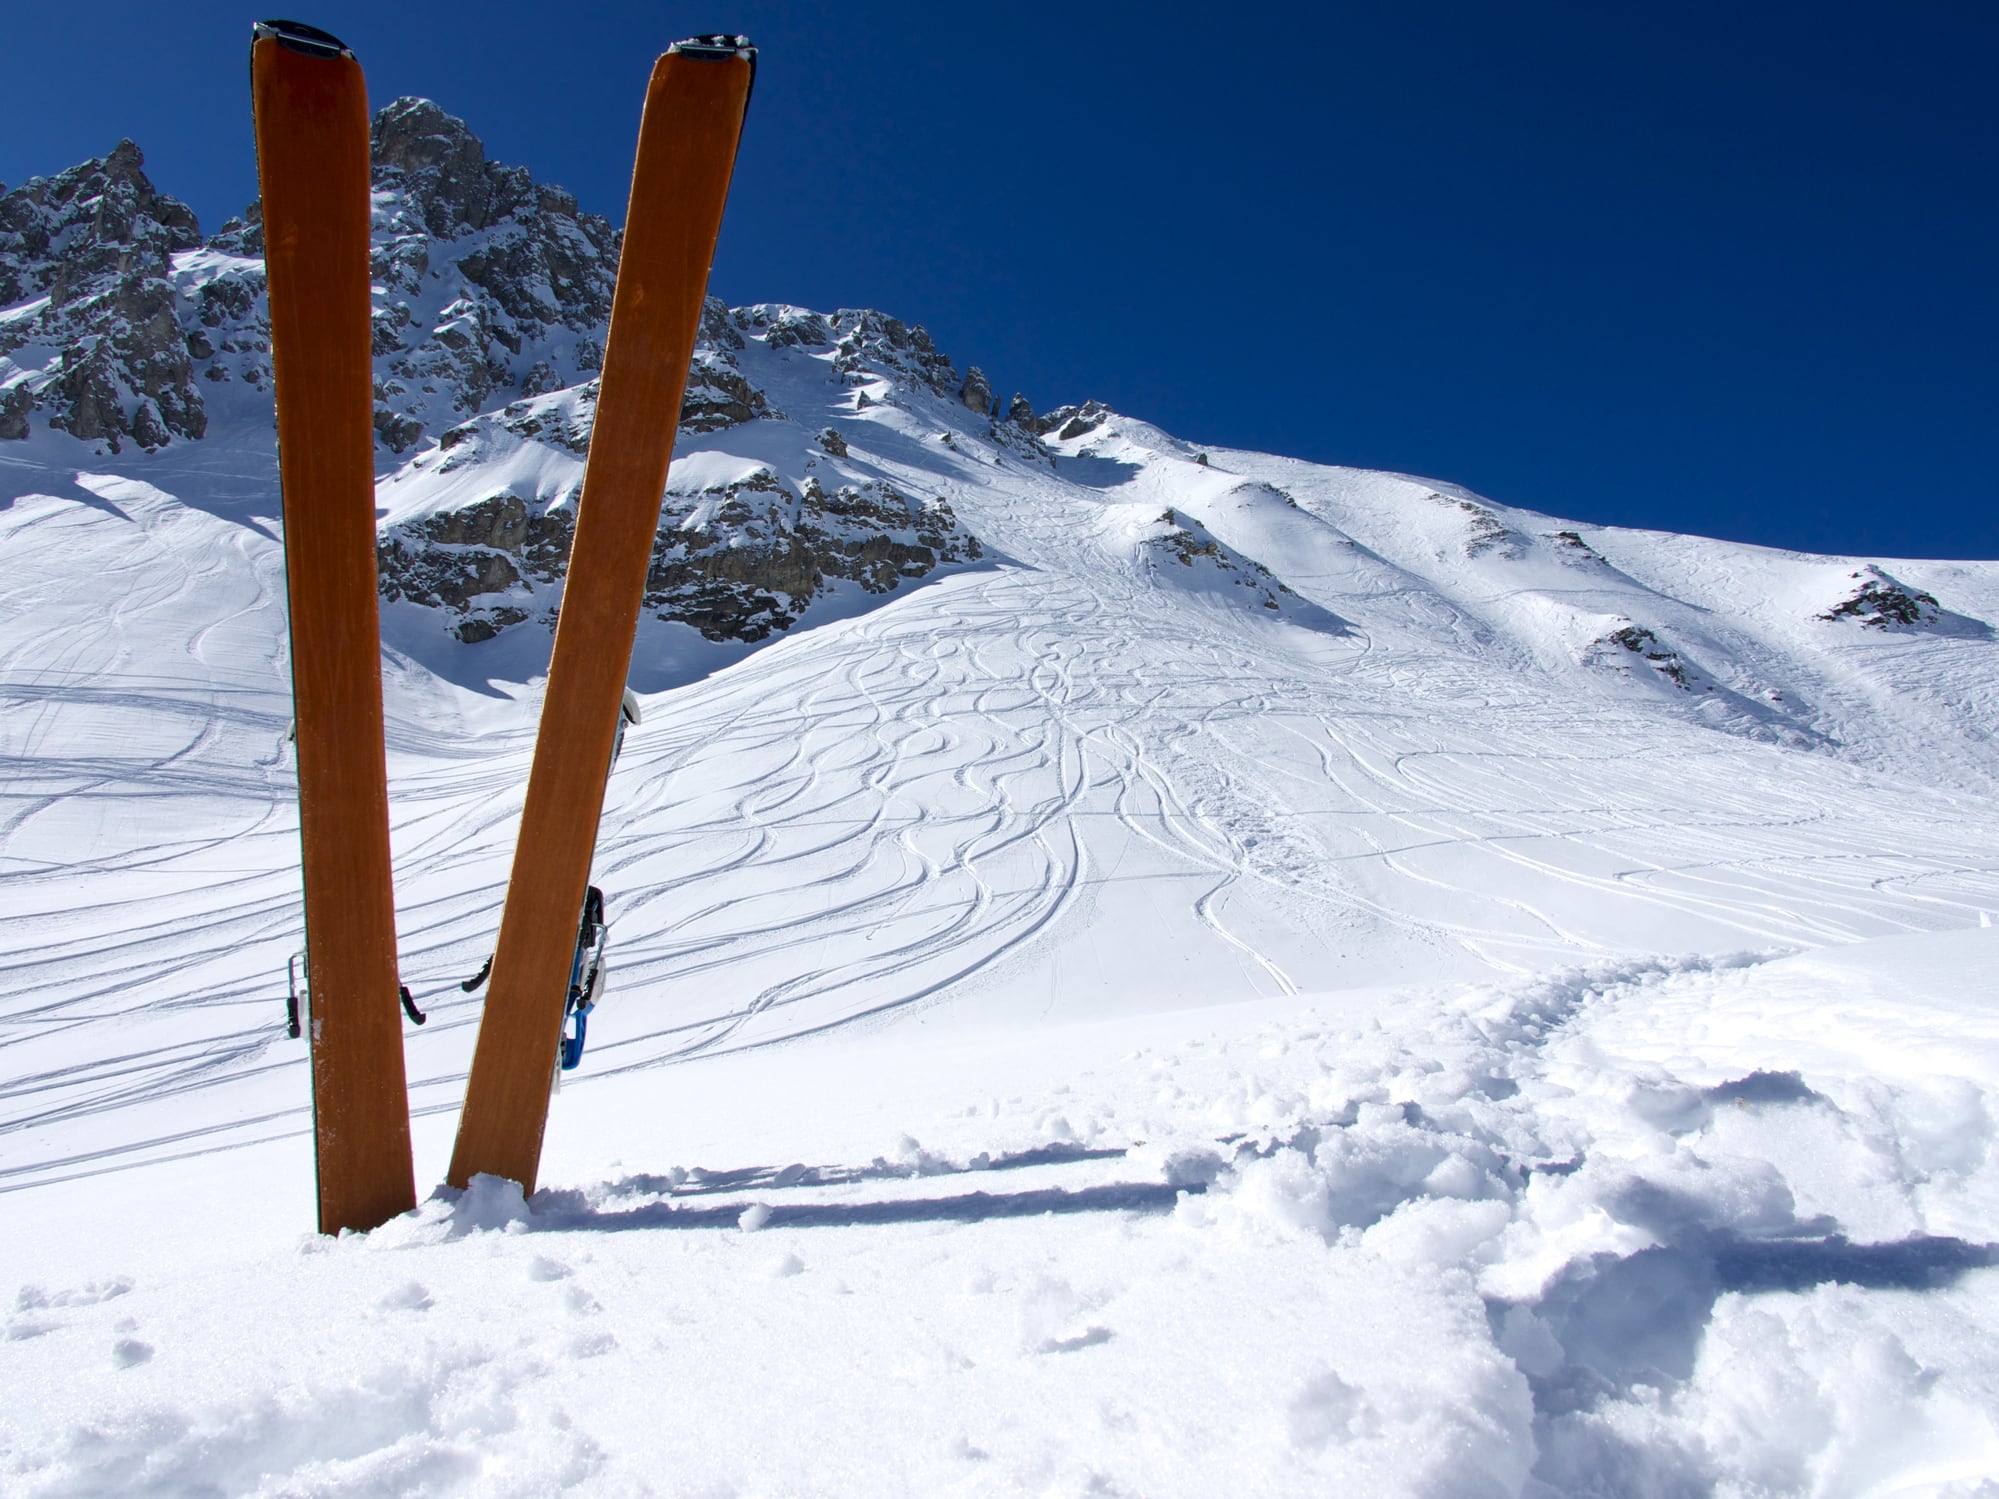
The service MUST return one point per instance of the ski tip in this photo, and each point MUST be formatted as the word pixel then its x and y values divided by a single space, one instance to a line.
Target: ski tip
pixel 296 36
pixel 718 46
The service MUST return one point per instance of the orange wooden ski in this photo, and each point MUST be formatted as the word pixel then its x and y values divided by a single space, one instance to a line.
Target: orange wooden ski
pixel 687 150
pixel 311 107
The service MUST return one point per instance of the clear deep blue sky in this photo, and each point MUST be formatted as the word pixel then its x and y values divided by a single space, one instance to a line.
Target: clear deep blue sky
pixel 1723 268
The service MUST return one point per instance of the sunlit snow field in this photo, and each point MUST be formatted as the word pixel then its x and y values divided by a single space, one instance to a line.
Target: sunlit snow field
pixel 1074 1030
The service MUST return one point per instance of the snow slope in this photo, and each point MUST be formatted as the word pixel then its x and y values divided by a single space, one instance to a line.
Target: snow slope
pixel 1278 980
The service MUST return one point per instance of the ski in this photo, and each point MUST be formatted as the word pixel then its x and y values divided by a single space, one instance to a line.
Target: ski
pixel 586 970
pixel 687 148
pixel 311 111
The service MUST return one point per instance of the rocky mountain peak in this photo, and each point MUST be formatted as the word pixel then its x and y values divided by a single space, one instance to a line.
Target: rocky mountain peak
pixel 102 217
pixel 96 244
pixel 492 300
pixel 441 167
pixel 495 286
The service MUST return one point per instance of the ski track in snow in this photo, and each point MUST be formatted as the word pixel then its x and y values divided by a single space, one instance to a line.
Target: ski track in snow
pixel 953 795
pixel 865 822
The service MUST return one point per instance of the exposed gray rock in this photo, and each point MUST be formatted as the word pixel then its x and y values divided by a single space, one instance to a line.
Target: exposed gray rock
pixel 718 395
pixel 739 561
pixel 870 344
pixel 561 419
pixel 742 561
pixel 785 327
pixel 831 440
pixel 1071 422
pixel 1019 432
pixel 15 404
pixel 1485 532
pixel 458 562
pixel 1881 601
pixel 1189 543
pixel 1662 658
pixel 487 277
pixel 97 243
pixel 243 235
pixel 64 235
pixel 977 392
pixel 1571 547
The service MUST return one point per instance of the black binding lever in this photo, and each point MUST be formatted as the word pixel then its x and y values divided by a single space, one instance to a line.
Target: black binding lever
pixel 296 36
pixel 716 46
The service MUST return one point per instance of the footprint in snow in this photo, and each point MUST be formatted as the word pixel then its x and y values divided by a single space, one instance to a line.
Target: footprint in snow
pixel 1089 1337
pixel 128 1352
pixel 1049 1318
pixel 34 1298
pixel 541 1267
pixel 408 1297
pixel 1327 1411
pixel 33 1305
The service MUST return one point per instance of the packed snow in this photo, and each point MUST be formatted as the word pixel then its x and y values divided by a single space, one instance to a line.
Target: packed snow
pixel 1279 980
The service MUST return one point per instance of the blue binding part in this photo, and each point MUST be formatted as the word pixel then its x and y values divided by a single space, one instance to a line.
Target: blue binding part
pixel 578 1009
pixel 572 1046
pixel 583 977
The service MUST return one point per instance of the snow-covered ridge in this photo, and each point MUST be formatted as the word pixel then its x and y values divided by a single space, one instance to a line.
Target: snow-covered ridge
pixel 492 298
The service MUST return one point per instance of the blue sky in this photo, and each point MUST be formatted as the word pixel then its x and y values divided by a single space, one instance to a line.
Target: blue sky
pixel 1731 269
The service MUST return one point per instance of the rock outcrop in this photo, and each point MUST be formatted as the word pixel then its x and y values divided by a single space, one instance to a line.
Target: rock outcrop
pixel 1484 531
pixel 494 285
pixel 1180 538
pixel 740 560
pixel 1068 423
pixel 479 565
pixel 977 392
pixel 1647 646
pixel 871 345
pixel 1880 601
pixel 98 349
pixel 745 559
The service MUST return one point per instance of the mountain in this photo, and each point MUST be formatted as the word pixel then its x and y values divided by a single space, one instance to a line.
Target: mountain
pixel 1138 966
pixel 126 330
pixel 494 296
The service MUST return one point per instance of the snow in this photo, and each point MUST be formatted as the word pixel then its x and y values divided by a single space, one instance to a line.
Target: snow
pixel 1072 1029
